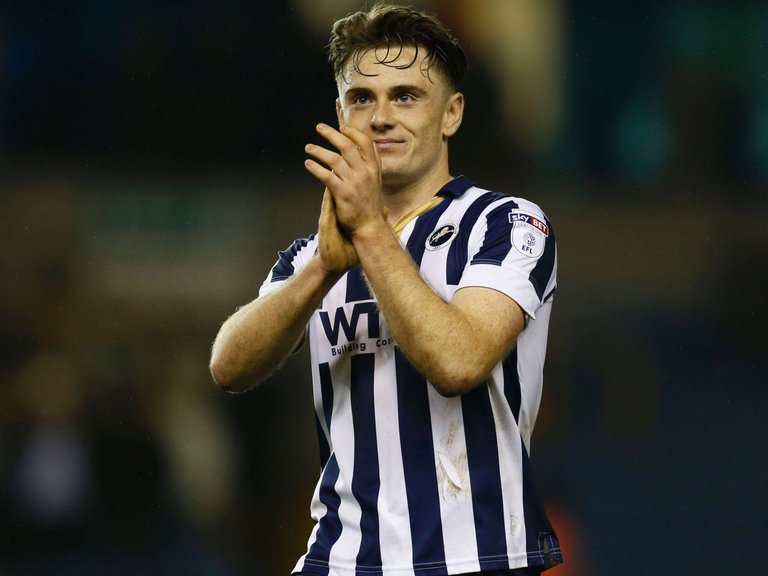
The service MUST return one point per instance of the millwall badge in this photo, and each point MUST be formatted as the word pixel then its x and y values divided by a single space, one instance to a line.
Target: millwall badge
pixel 441 237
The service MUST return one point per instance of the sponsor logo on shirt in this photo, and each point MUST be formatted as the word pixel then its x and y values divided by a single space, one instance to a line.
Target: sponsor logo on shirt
pixel 529 234
pixel 348 324
pixel 523 219
pixel 342 330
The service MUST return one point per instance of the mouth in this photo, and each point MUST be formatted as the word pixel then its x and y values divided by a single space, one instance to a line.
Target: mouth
pixel 383 144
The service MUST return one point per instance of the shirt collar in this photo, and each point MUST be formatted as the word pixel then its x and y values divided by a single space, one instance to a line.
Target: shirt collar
pixel 456 187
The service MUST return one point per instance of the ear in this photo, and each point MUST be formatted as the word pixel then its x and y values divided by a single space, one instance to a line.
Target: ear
pixel 454 112
pixel 339 113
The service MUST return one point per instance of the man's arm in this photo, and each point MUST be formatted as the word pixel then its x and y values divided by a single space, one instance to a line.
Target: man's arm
pixel 453 344
pixel 255 340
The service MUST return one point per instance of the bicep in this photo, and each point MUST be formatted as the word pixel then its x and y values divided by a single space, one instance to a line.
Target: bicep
pixel 496 320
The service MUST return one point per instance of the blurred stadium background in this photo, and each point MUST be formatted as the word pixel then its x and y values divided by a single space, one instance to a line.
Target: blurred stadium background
pixel 151 167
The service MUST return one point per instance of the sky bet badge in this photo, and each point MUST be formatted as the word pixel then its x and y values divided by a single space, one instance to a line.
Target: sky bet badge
pixel 529 234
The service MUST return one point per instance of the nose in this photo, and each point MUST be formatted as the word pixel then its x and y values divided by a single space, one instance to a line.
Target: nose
pixel 382 117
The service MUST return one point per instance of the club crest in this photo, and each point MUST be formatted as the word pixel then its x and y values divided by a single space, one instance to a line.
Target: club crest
pixel 441 237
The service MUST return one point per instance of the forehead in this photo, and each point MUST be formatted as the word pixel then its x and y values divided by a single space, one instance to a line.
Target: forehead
pixel 391 65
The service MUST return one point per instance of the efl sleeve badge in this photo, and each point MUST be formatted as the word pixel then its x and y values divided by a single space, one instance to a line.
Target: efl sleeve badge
pixel 529 234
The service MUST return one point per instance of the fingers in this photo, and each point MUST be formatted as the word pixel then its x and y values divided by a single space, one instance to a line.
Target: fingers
pixel 322 173
pixel 336 252
pixel 327 210
pixel 363 144
pixel 348 142
pixel 349 174
pixel 355 149
pixel 327 166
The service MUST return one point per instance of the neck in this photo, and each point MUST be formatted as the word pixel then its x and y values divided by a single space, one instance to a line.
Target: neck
pixel 401 199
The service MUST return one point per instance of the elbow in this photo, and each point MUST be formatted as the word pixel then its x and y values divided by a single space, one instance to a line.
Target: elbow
pixel 221 375
pixel 448 389
pixel 458 380
pixel 226 377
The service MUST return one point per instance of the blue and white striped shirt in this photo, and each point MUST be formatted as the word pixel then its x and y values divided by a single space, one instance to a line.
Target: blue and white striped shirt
pixel 414 482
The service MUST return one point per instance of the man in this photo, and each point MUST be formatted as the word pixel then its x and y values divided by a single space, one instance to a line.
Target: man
pixel 426 303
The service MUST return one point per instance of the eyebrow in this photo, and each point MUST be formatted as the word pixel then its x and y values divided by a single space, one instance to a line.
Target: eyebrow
pixel 418 90
pixel 399 89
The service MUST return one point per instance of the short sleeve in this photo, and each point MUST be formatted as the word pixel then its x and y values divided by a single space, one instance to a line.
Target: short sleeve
pixel 289 262
pixel 513 250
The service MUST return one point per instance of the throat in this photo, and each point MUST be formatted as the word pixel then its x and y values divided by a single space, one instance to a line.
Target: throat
pixel 414 213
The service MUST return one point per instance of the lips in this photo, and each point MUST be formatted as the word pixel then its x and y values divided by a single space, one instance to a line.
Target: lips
pixel 386 143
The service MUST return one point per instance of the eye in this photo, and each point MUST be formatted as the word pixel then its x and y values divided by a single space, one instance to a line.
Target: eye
pixel 405 97
pixel 360 99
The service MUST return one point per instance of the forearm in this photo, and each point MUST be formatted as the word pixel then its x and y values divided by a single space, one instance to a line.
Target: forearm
pixel 436 337
pixel 255 340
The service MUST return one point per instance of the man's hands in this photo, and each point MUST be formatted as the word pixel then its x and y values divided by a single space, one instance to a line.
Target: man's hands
pixel 352 175
pixel 455 344
pixel 336 251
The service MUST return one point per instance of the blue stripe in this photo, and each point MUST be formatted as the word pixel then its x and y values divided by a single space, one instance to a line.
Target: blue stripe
pixel 542 272
pixel 284 267
pixel 485 476
pixel 322 441
pixel 498 236
pixel 365 477
pixel 512 390
pixel 357 288
pixel 330 525
pixel 326 391
pixel 326 394
pixel 541 542
pixel 457 255
pixel 419 467
pixel 423 227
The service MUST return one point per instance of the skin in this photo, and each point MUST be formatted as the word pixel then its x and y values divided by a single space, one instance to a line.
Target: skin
pixel 389 155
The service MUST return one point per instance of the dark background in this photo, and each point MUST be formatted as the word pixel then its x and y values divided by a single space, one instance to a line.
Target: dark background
pixel 151 167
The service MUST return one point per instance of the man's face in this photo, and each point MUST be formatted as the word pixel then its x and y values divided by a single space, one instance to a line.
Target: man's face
pixel 408 113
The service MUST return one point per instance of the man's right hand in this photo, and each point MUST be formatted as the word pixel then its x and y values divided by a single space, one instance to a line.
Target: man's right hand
pixel 336 251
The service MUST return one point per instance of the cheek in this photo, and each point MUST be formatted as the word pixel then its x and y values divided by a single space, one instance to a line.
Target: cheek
pixel 356 117
pixel 432 133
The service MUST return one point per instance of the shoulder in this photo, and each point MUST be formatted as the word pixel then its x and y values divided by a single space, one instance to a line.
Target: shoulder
pixel 300 244
pixel 293 257
pixel 496 208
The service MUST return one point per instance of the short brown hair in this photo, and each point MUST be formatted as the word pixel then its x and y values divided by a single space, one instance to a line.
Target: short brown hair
pixel 396 27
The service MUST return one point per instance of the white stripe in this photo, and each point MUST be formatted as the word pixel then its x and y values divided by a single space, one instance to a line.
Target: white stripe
pixel 510 456
pixel 531 352
pixel 344 551
pixel 394 520
pixel 454 486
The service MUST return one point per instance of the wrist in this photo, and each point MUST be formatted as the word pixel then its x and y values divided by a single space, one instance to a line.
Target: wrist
pixel 326 277
pixel 373 233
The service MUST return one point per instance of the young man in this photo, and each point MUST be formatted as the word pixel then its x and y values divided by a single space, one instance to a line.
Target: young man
pixel 426 302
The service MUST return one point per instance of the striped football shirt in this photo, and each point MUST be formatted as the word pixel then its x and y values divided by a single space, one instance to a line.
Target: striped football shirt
pixel 414 483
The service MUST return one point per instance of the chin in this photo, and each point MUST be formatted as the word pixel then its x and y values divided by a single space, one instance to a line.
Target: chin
pixel 396 181
pixel 393 173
